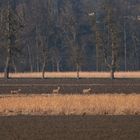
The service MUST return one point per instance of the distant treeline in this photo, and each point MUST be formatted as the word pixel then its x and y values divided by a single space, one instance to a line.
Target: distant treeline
pixel 69 35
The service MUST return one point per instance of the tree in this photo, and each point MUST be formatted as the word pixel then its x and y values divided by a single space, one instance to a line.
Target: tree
pixel 51 18
pixel 78 39
pixel 72 31
pixel 55 55
pixel 111 43
pixel 11 24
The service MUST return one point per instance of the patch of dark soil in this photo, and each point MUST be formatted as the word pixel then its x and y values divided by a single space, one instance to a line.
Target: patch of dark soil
pixel 70 128
pixel 71 86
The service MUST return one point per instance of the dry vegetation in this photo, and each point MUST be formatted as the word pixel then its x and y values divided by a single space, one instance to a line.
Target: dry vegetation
pixel 74 74
pixel 70 104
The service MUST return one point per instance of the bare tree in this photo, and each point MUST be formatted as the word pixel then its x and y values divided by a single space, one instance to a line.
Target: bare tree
pixel 71 29
pixel 11 23
pixel 111 43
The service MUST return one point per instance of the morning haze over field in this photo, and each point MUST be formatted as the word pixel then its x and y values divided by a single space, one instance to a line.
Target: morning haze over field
pixel 69 69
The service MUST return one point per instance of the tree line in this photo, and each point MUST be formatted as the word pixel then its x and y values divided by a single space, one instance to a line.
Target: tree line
pixel 69 35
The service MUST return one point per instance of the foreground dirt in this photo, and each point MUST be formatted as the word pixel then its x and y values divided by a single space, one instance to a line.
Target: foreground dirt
pixel 70 128
pixel 70 86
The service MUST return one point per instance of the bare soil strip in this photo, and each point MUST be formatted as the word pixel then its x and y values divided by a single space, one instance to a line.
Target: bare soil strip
pixel 70 86
pixel 70 128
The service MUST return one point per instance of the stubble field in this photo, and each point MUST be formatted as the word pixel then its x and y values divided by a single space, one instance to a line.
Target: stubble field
pixel 70 104
pixel 106 114
pixel 133 74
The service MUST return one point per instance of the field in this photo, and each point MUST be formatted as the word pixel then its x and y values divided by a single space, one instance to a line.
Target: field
pixel 74 74
pixel 70 128
pixel 70 85
pixel 111 112
pixel 70 104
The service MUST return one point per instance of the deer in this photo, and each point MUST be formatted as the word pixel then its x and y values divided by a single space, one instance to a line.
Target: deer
pixel 56 91
pixel 15 91
pixel 87 91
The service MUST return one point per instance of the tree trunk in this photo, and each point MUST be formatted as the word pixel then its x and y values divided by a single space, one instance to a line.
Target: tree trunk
pixel 43 70
pixel 139 62
pixel 6 71
pixel 77 67
pixel 58 66
pixel 113 63
pixel 125 46
pixel 37 47
pixel 37 64
pixel 112 75
pixel 30 58
pixel 14 66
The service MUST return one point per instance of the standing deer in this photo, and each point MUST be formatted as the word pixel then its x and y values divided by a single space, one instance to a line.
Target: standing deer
pixel 15 91
pixel 56 91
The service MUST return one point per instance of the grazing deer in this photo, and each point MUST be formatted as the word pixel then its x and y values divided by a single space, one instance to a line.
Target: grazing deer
pixel 15 91
pixel 87 91
pixel 56 91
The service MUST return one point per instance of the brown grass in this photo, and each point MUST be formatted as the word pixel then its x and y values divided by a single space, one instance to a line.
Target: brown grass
pixel 73 75
pixel 70 104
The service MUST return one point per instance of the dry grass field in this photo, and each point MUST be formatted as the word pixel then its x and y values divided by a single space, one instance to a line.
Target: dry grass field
pixel 74 74
pixel 70 104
